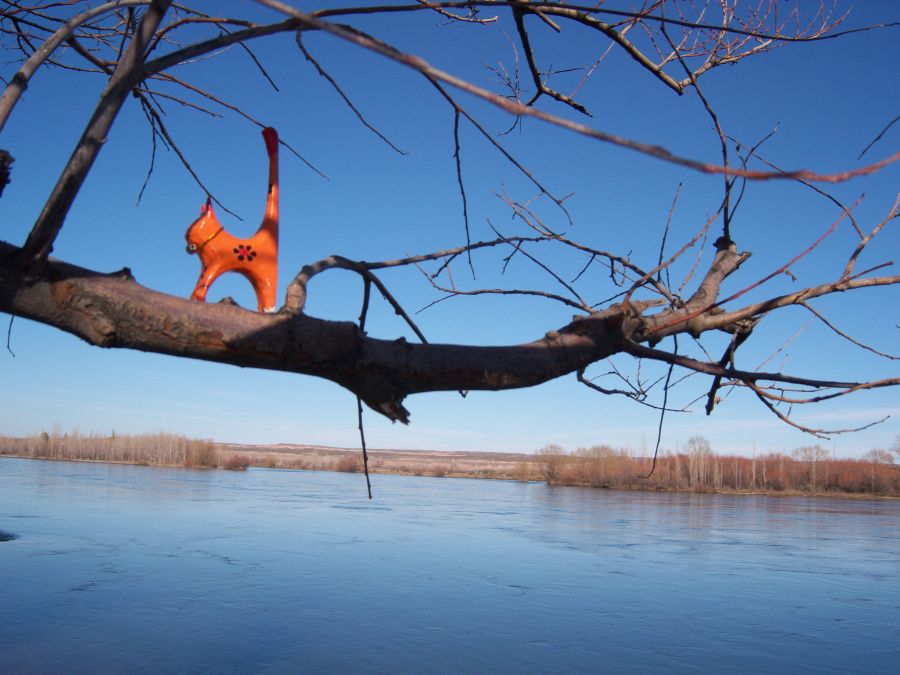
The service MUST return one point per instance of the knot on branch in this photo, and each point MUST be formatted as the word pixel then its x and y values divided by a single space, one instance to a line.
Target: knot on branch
pixel 383 397
pixel 725 243
pixel 6 161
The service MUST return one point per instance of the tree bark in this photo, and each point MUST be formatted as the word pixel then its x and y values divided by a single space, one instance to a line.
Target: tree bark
pixel 113 310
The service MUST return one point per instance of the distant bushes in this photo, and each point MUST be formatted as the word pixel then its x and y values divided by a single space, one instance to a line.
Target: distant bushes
pixel 163 449
pixel 349 464
pixel 236 462
pixel 199 454
pixel 697 468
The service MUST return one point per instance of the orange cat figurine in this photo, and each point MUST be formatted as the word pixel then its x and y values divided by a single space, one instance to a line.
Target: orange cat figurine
pixel 256 257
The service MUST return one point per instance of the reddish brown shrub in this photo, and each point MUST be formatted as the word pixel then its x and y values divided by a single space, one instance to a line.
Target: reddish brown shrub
pixel 236 463
pixel 348 464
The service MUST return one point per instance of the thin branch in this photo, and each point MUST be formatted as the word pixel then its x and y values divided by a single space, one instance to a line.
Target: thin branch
pixel 490 139
pixel 323 73
pixel 648 276
pixel 637 395
pixel 818 433
pixel 155 94
pixel 9 335
pixel 127 75
pixel 498 291
pixel 531 219
pixel 747 376
pixel 539 84
pixel 662 243
pixel 154 132
pixel 472 18
pixel 518 249
pixel 184 161
pixel 879 136
pixel 844 335
pixel 752 152
pixel 862 386
pixel 851 263
pixel 729 180
pixel 225 104
pixel 737 339
pixel 718 303
pixel 716 320
pixel 301 20
pixel 297 288
pixel 258 64
pixel 462 188
pixel 570 10
pixel 662 412
pixel 19 81
pixel 362 440
pixel 364 311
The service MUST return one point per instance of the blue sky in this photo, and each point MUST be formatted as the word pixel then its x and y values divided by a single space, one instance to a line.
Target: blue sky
pixel 827 99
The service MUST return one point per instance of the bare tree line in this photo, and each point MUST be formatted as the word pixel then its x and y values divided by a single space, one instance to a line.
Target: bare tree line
pixel 694 468
pixel 161 448
pixel 697 468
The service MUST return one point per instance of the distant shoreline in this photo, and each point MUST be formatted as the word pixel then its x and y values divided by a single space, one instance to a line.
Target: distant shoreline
pixel 602 467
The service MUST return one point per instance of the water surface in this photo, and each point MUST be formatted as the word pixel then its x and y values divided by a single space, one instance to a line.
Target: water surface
pixel 140 569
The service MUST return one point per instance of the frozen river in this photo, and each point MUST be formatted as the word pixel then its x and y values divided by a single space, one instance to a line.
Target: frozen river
pixel 157 570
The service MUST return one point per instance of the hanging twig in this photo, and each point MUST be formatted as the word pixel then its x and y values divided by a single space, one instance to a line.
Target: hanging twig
pixel 127 75
pixel 362 440
pixel 242 113
pixel 184 161
pixel 879 136
pixel 337 88
pixel 9 335
pixel 462 188
pixel 662 411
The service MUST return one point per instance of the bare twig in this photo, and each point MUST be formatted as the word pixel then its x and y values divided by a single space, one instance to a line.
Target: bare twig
pixel 729 180
pixel 818 433
pixel 160 125
pixel 718 303
pixel 471 18
pixel 750 376
pixel 9 335
pixel 462 187
pixel 648 276
pixel 539 84
pixel 309 21
pixel 127 75
pixel 225 104
pixel 737 339
pixel 662 243
pixel 844 335
pixel 851 263
pixel 19 81
pixel 362 440
pixel 879 136
pixel 322 72
pixel 662 412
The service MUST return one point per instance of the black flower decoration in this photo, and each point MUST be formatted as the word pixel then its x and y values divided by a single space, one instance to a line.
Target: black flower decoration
pixel 244 251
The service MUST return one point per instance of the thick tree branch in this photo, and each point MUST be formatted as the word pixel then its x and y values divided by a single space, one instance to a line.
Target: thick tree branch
pixel 128 74
pixel 112 310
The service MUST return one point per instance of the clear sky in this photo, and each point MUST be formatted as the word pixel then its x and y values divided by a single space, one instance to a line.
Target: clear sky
pixel 828 101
